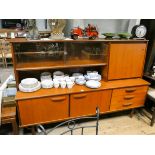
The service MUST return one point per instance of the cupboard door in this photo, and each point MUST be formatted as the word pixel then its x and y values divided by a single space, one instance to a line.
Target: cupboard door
pixel 126 60
pixel 43 110
pixel 83 104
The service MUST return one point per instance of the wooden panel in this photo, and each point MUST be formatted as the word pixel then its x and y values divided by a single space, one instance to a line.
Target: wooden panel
pixel 104 103
pixel 127 98
pixel 43 109
pixel 78 88
pixel 86 103
pixel 126 60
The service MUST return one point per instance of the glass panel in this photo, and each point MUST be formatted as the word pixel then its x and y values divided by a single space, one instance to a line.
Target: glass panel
pixel 89 53
pixel 39 54
pixel 59 54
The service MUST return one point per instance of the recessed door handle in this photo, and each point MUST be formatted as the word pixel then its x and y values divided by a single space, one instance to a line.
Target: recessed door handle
pixel 129 97
pixel 127 104
pixel 80 96
pixel 130 90
pixel 55 99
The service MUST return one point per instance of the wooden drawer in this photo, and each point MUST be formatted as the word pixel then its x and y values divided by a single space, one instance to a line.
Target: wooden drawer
pixel 127 98
pixel 43 110
pixel 129 91
pixel 85 103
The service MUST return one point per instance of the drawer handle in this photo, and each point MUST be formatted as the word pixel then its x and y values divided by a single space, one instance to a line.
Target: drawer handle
pixel 80 96
pixel 129 97
pixel 130 90
pixel 58 99
pixel 127 104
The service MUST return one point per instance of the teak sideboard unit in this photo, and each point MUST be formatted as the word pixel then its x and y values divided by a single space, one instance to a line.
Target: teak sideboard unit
pixel 120 62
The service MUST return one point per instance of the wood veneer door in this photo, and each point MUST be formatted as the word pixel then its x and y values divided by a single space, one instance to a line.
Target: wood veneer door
pixel 83 104
pixel 43 110
pixel 126 60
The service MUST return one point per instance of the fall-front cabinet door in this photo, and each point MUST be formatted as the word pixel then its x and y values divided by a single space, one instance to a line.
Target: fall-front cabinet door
pixel 126 60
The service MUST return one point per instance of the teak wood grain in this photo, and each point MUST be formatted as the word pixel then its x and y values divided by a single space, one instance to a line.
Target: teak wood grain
pixel 82 104
pixel 126 60
pixel 40 110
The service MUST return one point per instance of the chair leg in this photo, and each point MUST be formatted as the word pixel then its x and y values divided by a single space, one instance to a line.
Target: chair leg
pixel 15 127
pixel 153 117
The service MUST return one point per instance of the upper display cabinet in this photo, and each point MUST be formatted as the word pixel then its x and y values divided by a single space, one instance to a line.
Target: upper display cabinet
pixel 58 54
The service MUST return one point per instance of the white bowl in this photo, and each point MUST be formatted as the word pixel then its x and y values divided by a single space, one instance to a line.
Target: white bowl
pixel 45 76
pixel 29 82
pixel 47 84
pixel 80 82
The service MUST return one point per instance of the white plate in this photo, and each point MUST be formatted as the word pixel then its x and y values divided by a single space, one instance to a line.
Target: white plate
pixel 29 83
pixel 23 89
pixel 93 84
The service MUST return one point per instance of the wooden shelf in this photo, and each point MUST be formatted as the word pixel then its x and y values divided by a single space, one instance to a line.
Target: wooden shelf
pixel 79 89
pixel 41 65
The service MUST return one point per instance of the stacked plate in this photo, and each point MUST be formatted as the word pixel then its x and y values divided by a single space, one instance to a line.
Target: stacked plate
pixel 29 85
pixel 93 84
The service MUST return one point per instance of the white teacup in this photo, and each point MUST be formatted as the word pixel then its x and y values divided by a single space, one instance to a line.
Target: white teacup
pixel 63 84
pixel 70 84
pixel 72 79
pixel 56 84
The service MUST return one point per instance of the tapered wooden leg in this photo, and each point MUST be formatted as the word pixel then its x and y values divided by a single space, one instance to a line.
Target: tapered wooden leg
pixel 15 127
pixel 153 117
pixel 132 112
pixel 33 130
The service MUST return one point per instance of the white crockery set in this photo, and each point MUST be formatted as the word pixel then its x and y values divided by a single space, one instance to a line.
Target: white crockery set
pixel 91 80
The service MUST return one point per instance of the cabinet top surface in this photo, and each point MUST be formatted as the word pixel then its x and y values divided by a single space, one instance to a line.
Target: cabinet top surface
pixel 81 89
pixel 24 40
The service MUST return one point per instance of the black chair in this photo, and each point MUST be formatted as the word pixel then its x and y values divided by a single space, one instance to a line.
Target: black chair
pixel 72 125
pixel 151 97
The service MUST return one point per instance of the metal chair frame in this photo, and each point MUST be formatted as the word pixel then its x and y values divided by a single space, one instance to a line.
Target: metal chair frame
pixel 71 124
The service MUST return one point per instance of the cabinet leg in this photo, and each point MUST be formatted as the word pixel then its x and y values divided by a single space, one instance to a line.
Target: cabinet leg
pixel 15 127
pixel 33 130
pixel 132 113
pixel 153 117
